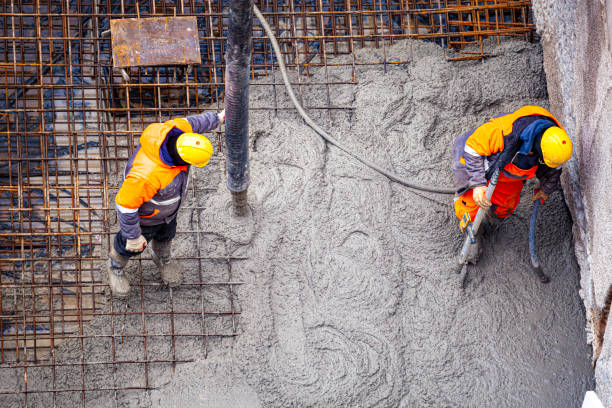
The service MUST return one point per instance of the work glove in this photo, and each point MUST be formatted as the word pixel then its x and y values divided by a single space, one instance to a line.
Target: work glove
pixel 538 194
pixel 480 197
pixel 136 244
pixel 221 116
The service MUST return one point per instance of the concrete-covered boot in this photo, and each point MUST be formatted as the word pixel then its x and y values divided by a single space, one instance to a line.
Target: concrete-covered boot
pixel 171 271
pixel 119 283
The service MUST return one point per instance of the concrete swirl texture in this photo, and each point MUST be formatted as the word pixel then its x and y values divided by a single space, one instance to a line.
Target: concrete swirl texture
pixel 352 299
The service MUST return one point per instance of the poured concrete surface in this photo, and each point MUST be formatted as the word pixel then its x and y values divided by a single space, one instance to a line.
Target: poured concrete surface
pixel 351 296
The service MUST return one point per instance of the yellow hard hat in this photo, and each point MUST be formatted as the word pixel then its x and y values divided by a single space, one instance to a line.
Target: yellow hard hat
pixel 194 148
pixel 556 146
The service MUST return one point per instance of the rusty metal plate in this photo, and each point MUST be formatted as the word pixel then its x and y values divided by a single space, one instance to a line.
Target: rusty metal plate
pixel 155 41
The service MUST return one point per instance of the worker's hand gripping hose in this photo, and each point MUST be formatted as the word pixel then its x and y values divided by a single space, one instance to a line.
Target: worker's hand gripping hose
pixel 323 133
pixel 472 230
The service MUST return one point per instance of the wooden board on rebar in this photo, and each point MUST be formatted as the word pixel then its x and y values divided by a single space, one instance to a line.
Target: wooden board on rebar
pixel 155 41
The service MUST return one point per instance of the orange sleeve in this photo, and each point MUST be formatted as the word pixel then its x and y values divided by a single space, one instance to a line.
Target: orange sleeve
pixel 133 192
pixel 487 139
pixel 180 123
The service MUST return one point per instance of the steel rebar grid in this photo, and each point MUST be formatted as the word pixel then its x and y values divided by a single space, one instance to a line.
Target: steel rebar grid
pixel 68 123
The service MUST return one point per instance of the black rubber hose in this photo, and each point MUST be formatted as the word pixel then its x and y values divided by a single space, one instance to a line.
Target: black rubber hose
pixel 535 262
pixel 238 60
pixel 326 136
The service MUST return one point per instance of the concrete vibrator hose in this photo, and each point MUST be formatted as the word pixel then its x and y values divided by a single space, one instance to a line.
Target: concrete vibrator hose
pixel 472 231
pixel 535 262
pixel 326 136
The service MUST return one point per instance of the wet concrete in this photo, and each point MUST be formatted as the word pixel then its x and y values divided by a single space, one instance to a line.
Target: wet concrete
pixel 351 296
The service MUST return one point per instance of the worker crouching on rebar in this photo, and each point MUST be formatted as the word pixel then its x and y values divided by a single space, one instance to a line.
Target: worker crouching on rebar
pixel 524 144
pixel 154 185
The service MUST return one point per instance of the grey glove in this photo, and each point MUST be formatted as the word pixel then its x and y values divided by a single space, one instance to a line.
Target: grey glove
pixel 136 244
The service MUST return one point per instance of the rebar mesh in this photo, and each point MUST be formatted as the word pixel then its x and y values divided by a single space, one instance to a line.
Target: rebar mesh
pixel 68 123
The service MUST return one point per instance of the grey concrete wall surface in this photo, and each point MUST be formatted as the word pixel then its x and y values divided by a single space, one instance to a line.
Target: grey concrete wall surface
pixel 578 64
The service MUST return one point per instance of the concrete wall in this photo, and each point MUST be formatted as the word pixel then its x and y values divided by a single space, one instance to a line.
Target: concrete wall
pixel 578 63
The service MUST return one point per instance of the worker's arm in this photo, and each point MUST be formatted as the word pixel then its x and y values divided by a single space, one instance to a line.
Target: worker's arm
pixel 132 194
pixel 475 167
pixel 550 179
pixel 205 122
pixel 484 141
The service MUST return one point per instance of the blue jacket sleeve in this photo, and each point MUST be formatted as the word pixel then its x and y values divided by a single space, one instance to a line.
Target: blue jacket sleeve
pixel 204 122
pixel 476 170
pixel 129 223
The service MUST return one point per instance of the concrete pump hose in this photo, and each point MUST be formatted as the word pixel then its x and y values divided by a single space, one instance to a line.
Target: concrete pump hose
pixel 323 133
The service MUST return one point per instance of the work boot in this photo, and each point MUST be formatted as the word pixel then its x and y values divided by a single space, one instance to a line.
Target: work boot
pixel 171 271
pixel 491 223
pixel 475 251
pixel 119 283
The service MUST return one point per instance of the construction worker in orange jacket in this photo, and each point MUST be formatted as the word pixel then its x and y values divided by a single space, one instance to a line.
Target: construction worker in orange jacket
pixel 153 188
pixel 524 144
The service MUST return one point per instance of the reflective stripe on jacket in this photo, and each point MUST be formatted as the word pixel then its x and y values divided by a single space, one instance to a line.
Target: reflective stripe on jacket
pixel 476 151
